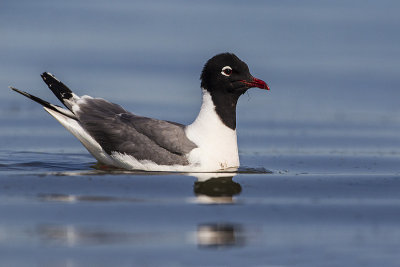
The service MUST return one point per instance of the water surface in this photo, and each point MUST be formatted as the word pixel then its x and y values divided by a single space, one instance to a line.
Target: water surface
pixel 320 152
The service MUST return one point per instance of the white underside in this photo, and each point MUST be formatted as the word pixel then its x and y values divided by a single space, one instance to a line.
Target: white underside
pixel 216 143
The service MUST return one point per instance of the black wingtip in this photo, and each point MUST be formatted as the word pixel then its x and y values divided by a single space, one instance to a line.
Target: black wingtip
pixel 49 78
pixel 44 103
pixel 19 91
pixel 60 90
pixel 34 98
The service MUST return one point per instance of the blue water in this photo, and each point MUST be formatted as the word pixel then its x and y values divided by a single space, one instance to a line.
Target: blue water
pixel 320 151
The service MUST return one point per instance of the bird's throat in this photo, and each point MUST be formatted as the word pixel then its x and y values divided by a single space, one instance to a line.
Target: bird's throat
pixel 225 107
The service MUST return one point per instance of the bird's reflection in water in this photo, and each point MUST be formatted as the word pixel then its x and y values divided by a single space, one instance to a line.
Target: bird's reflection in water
pixel 216 188
pixel 207 235
pixel 209 188
pixel 217 235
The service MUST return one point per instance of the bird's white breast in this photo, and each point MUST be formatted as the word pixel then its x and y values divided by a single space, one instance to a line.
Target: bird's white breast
pixel 216 143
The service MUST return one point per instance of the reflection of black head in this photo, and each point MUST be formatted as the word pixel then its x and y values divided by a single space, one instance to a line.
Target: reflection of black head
pixel 217 187
pixel 215 235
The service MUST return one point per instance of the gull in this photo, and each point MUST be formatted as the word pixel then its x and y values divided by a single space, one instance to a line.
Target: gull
pixel 118 138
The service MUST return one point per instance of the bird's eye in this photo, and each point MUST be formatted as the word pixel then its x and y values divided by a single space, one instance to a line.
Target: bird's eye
pixel 226 71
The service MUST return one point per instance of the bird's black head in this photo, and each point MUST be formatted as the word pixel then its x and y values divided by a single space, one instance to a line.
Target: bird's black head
pixel 228 74
pixel 226 78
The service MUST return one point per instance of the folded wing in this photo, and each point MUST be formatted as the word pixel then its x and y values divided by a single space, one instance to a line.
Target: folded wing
pixel 117 130
pixel 105 128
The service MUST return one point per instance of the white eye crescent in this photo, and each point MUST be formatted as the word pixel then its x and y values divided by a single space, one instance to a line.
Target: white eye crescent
pixel 226 71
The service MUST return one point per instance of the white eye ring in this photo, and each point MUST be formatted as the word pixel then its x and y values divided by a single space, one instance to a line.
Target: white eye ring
pixel 226 71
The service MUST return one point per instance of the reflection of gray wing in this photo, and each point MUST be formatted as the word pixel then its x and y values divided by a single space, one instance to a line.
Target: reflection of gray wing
pixel 117 130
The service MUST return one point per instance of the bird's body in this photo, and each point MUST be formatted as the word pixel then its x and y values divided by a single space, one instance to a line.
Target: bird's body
pixel 116 137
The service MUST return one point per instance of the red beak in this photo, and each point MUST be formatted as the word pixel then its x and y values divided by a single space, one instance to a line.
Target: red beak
pixel 256 83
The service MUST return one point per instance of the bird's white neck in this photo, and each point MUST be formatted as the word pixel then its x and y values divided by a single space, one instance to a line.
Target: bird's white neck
pixel 216 143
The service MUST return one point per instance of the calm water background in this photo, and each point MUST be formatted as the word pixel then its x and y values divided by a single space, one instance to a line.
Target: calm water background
pixel 320 152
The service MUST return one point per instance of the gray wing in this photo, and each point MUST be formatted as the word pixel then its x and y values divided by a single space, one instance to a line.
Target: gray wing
pixel 117 130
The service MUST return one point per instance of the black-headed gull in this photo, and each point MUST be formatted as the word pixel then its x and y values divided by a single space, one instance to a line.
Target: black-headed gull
pixel 119 138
